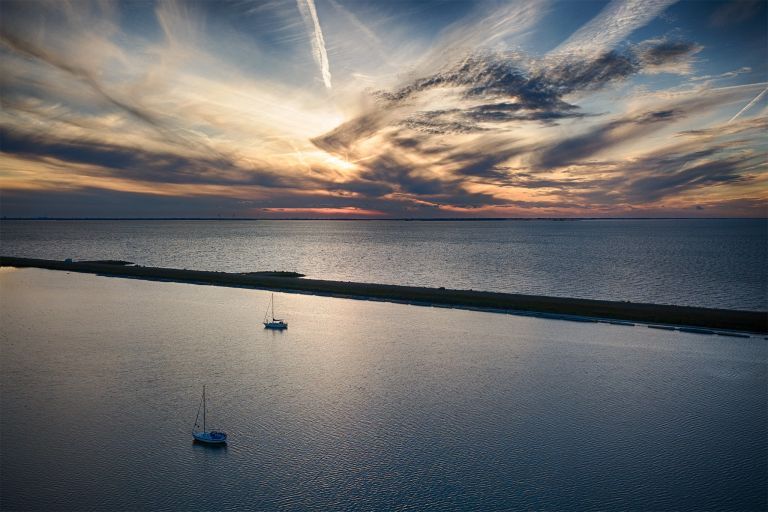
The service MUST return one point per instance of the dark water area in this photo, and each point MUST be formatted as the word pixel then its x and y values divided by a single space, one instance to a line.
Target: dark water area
pixel 719 263
pixel 362 405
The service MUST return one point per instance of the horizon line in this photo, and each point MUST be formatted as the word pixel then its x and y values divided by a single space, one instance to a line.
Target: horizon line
pixel 426 219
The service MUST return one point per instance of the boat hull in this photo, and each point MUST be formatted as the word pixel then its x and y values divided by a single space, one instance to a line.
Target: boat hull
pixel 210 437
pixel 278 326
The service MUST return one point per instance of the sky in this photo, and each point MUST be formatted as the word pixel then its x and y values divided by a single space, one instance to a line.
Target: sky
pixel 384 108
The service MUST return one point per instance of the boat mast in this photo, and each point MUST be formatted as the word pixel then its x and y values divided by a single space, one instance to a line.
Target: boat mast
pixel 197 417
pixel 204 408
pixel 266 313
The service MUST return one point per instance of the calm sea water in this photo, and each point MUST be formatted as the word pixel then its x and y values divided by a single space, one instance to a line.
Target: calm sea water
pixel 362 405
pixel 714 263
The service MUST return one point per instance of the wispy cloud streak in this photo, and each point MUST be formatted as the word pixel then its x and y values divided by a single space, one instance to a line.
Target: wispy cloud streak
pixel 374 41
pixel 614 23
pixel 309 13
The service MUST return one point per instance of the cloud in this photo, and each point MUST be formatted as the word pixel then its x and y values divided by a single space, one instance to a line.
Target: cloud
pixel 441 122
pixel 78 49
pixel 614 23
pixel 707 160
pixel 662 184
pixel 490 89
pixel 603 137
pixel 98 202
pixel 490 25
pixel 505 112
pixel 80 72
pixel 728 129
pixel 669 56
pixel 137 164
pixel 661 52
pixel 373 40
pixel 499 87
pixel 593 74
pixel 728 74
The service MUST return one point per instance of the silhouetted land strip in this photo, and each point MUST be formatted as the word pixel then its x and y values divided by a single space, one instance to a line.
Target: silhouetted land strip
pixel 109 262
pixel 273 273
pixel 749 321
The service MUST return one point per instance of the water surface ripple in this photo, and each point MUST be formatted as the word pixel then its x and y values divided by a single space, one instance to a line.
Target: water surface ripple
pixel 362 405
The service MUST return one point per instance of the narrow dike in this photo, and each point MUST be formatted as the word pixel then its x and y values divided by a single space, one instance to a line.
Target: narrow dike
pixel 727 319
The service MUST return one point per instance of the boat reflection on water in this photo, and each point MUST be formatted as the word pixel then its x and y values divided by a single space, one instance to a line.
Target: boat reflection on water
pixel 216 447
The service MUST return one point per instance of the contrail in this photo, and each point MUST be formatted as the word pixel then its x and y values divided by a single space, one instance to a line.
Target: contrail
pixel 748 105
pixel 309 13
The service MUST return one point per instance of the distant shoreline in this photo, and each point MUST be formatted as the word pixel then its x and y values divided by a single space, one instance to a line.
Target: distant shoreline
pixel 550 307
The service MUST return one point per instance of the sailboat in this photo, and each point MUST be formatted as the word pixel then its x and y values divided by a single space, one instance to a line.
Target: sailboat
pixel 207 436
pixel 275 323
